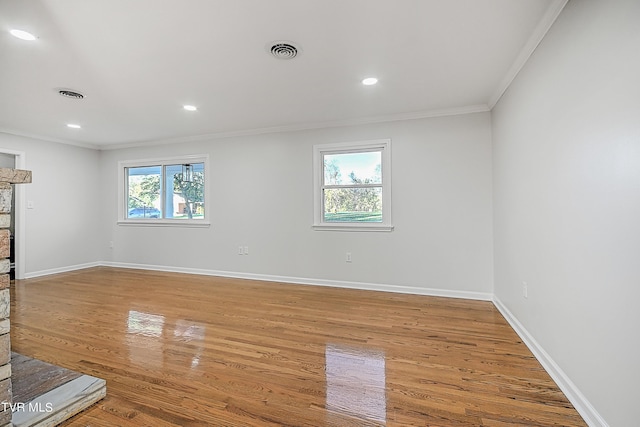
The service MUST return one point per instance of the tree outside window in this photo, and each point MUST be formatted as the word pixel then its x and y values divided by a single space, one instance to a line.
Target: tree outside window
pixel 352 186
pixel 160 192
pixel 358 196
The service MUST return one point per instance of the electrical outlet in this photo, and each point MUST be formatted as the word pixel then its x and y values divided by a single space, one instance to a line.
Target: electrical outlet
pixel 348 257
pixel 246 250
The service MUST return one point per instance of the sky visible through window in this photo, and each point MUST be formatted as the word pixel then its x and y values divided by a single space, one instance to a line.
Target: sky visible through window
pixel 363 165
pixel 353 191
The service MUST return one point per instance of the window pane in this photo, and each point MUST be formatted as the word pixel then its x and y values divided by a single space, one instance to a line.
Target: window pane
pixel 143 197
pixel 353 168
pixel 353 204
pixel 186 199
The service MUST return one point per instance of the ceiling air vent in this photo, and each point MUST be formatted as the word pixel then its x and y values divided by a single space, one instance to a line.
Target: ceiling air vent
pixel 284 50
pixel 70 94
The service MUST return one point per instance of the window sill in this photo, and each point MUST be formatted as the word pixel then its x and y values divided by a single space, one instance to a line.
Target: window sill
pixel 165 223
pixel 352 227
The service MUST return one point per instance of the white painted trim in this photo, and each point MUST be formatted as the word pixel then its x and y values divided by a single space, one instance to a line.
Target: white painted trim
pixel 482 296
pixel 550 16
pixel 401 289
pixel 20 219
pixel 349 226
pixel 470 109
pixel 319 150
pixel 58 270
pixel 49 139
pixel 163 161
pixel 577 399
pixel 456 111
pixel 184 223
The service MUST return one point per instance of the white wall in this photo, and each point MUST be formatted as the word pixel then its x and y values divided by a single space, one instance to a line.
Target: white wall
pixel 7 160
pixel 564 203
pixel 566 141
pixel 59 229
pixel 262 198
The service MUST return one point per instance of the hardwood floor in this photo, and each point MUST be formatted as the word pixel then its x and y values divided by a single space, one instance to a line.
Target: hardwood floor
pixel 187 350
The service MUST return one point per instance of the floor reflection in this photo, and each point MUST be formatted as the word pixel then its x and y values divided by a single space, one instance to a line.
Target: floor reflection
pixel 146 338
pixel 186 331
pixel 146 324
pixel 356 382
pixel 144 331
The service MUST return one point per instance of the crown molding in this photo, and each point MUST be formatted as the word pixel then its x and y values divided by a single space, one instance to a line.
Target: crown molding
pixel 550 16
pixel 471 109
pixel 49 139
pixel 306 126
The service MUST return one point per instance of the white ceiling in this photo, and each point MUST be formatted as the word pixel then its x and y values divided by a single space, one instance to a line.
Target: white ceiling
pixel 139 61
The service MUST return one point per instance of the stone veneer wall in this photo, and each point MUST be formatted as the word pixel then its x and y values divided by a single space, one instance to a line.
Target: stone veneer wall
pixel 7 177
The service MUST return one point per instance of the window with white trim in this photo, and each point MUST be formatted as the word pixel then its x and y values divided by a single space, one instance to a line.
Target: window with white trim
pixel 169 191
pixel 352 186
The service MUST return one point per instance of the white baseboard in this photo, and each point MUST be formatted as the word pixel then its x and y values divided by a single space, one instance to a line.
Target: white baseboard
pixel 483 296
pixel 61 270
pixel 577 399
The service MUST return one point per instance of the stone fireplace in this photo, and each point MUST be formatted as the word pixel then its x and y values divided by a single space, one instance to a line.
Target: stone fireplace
pixel 8 177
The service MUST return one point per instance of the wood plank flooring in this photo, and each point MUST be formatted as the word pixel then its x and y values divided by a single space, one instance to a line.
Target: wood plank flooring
pixel 187 350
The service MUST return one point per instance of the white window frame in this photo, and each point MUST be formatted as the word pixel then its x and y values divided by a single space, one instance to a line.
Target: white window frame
pixel 319 151
pixel 161 222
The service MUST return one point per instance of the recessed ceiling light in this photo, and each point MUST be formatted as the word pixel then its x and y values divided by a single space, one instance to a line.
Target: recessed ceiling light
pixel 190 107
pixel 73 126
pixel 22 35
pixel 369 81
